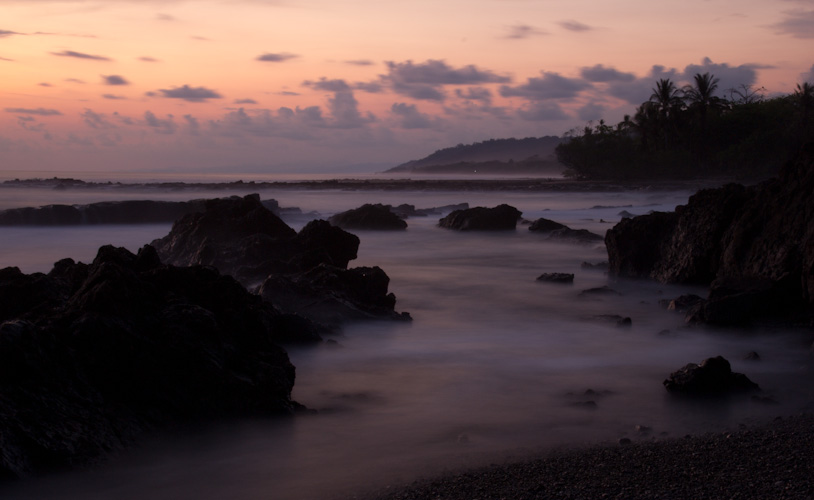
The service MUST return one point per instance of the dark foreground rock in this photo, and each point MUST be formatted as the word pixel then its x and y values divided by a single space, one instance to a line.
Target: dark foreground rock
pixel 500 218
pixel 774 460
pixel 369 216
pixel 303 272
pixel 556 231
pixel 713 377
pixel 556 277
pixel 93 356
pixel 754 244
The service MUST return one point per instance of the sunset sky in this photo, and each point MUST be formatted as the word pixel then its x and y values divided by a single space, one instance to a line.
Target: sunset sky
pixel 316 85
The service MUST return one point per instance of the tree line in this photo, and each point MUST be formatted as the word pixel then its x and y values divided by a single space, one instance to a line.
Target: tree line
pixel 691 132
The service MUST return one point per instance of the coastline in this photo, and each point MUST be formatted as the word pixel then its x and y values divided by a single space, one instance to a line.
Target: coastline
pixel 773 460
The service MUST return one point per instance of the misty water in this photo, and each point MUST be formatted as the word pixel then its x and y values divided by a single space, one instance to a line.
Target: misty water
pixel 494 366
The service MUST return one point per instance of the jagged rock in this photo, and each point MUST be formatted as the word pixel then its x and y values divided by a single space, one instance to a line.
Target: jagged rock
pixel 124 345
pixel 556 277
pixel 713 376
pixel 303 272
pixel 501 217
pixel 369 216
pixel 760 235
pixel 556 231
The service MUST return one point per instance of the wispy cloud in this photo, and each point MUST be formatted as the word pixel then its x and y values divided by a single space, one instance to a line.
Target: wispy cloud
pixel 276 57
pixel 360 62
pixel 327 85
pixel 114 97
pixel 245 101
pixel 148 59
pixel 425 81
pixel 572 25
pixel 114 80
pixel 190 94
pixel 5 33
pixel 797 23
pixel 35 111
pixel 80 55
pixel 521 31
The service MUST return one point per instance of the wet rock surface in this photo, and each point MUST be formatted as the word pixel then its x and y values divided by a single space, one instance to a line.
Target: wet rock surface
pixel 98 354
pixel 755 245
pixel 369 216
pixel 500 218
pixel 556 231
pixel 713 377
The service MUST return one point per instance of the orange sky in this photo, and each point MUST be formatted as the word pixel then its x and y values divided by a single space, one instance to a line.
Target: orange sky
pixel 307 85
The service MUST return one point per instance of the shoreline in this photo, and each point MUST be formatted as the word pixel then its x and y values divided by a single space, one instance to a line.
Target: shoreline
pixel 773 460
pixel 400 184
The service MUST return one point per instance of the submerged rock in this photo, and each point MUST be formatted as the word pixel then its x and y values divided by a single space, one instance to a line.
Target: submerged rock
pixel 500 218
pixel 101 353
pixel 714 376
pixel 369 216
pixel 556 277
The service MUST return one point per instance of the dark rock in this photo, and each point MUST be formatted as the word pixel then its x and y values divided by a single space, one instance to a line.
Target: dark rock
pixel 760 235
pixel 682 303
pixel 501 217
pixel 713 376
pixel 114 349
pixel 556 231
pixel 598 292
pixel 752 356
pixel 301 273
pixel 598 265
pixel 105 212
pixel 615 319
pixel 556 277
pixel 368 216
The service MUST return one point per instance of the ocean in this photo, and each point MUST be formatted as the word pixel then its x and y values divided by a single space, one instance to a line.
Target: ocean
pixel 495 365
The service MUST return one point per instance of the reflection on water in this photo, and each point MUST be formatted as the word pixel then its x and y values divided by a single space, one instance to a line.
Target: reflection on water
pixel 494 365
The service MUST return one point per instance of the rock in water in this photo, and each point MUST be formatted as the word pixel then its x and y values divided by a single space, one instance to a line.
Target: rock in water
pixel 714 376
pixel 556 231
pixel 98 354
pixel 756 242
pixel 499 218
pixel 368 216
pixel 556 277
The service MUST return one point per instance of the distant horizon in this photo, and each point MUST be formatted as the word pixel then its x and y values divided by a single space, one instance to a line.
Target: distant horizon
pixel 309 85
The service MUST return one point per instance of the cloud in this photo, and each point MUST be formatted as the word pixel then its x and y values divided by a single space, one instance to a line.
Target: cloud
pixel 245 101
pixel 480 94
pixel 114 97
pixel 280 57
pixel 640 89
pixel 808 77
pixel 37 111
pixel 344 109
pixel 577 26
pixel 360 62
pixel 5 33
pixel 797 23
pixel 114 80
pixel 96 120
pixel 543 111
pixel 288 93
pixel 411 118
pixel 6 59
pixel 45 84
pixel 591 111
pixel 425 80
pixel 522 31
pixel 192 124
pixel 148 59
pixel 75 80
pixel 166 126
pixel 80 55
pixel 730 76
pixel 190 94
pixel 601 74
pixel 327 85
pixel 550 86
pixel 165 17
pixel 369 87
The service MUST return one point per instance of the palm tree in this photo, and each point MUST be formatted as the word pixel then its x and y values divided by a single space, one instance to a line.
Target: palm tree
pixel 666 100
pixel 804 95
pixel 702 96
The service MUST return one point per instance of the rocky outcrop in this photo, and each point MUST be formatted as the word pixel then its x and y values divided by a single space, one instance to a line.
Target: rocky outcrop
pixel 754 245
pixel 303 272
pixel 714 376
pixel 369 216
pixel 556 277
pixel 106 212
pixel 556 231
pixel 500 218
pixel 92 356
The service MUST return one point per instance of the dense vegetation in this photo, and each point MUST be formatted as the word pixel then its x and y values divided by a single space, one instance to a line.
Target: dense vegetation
pixel 691 132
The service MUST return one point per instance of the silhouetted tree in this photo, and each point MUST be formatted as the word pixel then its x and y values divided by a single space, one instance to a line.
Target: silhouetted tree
pixel 804 97
pixel 667 100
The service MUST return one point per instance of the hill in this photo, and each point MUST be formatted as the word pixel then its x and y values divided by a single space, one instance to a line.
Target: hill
pixel 529 155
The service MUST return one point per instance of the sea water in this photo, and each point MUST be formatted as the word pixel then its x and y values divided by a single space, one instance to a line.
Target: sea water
pixel 494 366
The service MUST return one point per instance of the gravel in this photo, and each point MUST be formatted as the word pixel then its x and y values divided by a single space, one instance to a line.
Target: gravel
pixel 771 461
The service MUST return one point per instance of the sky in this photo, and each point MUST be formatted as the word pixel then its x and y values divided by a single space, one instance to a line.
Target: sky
pixel 318 85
